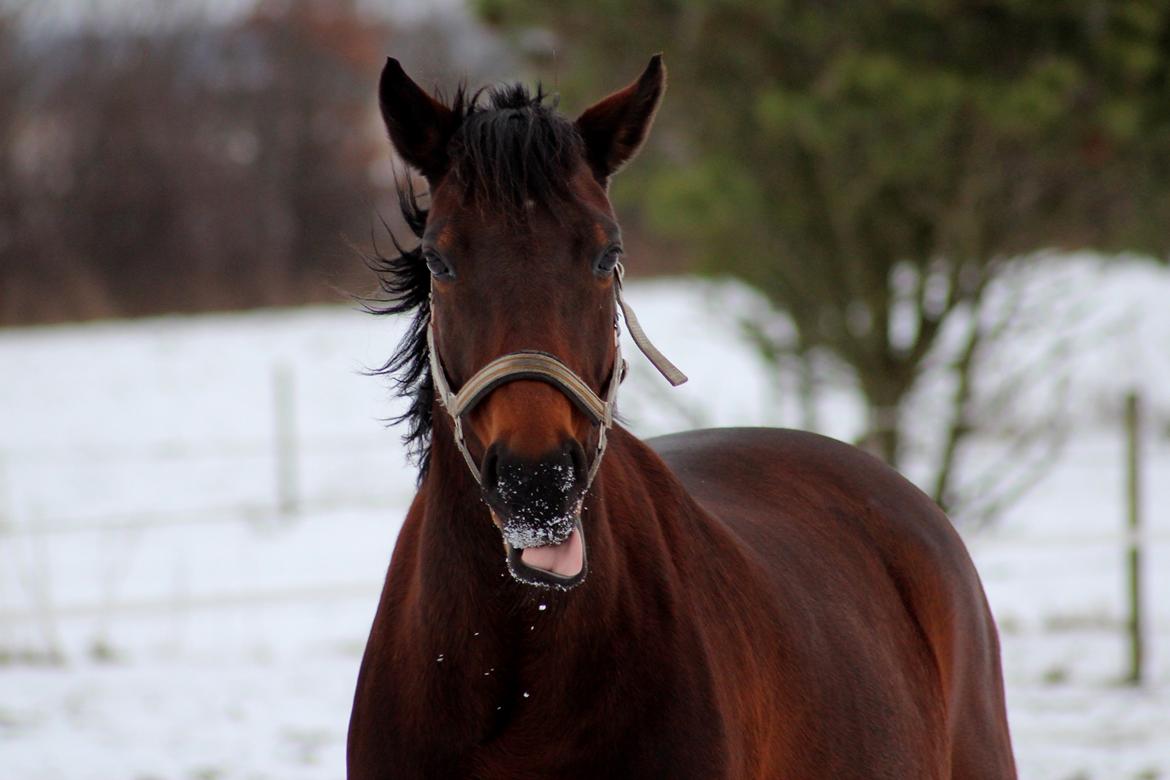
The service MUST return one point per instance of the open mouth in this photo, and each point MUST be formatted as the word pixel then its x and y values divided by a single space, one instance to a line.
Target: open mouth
pixel 559 564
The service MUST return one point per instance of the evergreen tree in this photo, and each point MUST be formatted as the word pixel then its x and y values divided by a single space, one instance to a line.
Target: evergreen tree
pixel 871 166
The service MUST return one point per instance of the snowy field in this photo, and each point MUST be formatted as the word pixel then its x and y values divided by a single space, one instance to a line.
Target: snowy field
pixel 161 617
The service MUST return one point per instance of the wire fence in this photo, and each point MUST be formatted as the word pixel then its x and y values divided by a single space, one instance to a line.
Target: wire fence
pixel 44 590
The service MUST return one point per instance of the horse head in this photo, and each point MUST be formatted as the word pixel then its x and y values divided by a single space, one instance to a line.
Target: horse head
pixel 524 251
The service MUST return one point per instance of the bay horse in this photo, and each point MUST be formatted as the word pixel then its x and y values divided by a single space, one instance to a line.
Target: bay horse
pixel 740 603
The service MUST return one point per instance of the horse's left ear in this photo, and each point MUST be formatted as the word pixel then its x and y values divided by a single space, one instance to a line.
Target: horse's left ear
pixel 614 128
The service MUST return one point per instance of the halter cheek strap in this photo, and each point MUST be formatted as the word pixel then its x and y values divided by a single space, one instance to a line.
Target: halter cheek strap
pixel 541 366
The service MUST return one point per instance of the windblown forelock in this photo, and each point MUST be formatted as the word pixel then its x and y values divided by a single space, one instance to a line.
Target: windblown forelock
pixel 514 150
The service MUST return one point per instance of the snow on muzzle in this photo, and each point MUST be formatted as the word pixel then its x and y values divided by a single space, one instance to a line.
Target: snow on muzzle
pixel 537 507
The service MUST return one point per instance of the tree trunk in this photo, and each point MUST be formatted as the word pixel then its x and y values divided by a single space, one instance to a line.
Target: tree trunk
pixel 807 389
pixel 884 397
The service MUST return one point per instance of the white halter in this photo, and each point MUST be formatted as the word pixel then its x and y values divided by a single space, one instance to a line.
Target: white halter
pixel 532 364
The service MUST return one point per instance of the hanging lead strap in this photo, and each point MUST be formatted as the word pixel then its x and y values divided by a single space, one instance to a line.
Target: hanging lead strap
pixel 664 366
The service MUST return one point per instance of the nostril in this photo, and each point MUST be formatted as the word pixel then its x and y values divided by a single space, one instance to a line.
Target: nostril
pixel 576 457
pixel 490 468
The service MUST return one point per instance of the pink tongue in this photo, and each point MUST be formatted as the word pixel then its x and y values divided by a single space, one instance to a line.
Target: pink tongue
pixel 566 559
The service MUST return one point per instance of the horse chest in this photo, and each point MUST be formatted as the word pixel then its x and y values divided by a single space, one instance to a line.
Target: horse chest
pixel 550 719
pixel 660 741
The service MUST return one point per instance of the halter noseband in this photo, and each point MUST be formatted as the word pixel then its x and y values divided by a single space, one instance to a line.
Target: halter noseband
pixel 541 366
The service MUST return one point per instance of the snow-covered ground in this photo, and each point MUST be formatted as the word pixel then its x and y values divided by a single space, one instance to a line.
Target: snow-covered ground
pixel 161 618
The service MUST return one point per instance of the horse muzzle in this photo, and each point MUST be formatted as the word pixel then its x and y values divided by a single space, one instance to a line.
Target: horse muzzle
pixel 536 504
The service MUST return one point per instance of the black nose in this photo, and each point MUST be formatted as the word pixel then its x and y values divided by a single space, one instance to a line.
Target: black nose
pixel 535 491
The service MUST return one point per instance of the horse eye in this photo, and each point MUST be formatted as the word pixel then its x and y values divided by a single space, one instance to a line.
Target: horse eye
pixel 438 267
pixel 608 260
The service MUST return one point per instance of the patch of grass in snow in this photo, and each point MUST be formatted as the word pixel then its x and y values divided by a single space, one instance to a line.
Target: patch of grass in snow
pixel 30 657
pixel 101 651
pixel 307 744
pixel 1070 622
pixel 1007 624
pixel 1056 675
pixel 9 722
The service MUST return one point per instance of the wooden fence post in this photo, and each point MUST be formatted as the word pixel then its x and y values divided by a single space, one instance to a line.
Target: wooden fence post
pixel 7 537
pixel 285 429
pixel 1133 468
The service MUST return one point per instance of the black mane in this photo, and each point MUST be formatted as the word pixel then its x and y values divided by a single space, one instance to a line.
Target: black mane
pixel 514 149
pixel 510 149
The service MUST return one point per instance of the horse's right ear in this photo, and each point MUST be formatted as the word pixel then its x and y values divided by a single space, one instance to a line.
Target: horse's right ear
pixel 419 126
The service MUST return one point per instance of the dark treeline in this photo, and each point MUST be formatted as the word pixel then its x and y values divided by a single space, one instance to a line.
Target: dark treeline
pixel 193 165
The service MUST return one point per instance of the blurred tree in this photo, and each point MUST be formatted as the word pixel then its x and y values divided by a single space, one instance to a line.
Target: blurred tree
pixel 310 125
pixel 186 165
pixel 13 69
pixel 10 73
pixel 873 166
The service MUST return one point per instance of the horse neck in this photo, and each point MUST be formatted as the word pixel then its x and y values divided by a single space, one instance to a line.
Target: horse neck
pixel 460 556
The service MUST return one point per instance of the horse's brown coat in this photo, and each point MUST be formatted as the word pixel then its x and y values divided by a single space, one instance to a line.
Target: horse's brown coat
pixel 827 623
pixel 759 604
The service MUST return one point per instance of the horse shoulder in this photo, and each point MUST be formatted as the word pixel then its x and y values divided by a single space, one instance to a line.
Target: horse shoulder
pixel 765 483
pixel 865 563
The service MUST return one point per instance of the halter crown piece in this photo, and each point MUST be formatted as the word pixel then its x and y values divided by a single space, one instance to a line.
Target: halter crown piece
pixel 541 366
